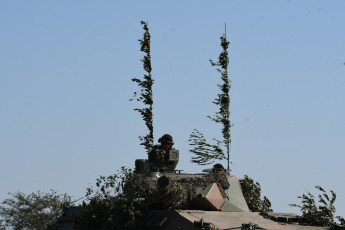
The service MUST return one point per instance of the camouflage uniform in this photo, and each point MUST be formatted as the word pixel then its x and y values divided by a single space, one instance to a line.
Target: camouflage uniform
pixel 159 155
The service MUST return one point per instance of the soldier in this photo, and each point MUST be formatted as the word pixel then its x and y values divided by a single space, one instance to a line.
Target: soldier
pixel 218 168
pixel 159 155
pixel 219 176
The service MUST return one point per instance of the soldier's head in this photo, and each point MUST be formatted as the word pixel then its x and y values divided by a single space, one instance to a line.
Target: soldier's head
pixel 166 141
pixel 218 168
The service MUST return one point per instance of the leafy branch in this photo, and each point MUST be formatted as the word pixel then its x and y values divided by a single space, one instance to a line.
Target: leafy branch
pixel 252 193
pixel 207 153
pixel 145 84
pixel 321 214
pixel 37 210
pixel 118 201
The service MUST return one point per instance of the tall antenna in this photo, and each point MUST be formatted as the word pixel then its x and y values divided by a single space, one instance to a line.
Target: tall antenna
pixel 225 29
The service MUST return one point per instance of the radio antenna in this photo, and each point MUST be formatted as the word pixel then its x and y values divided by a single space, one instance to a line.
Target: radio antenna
pixel 225 29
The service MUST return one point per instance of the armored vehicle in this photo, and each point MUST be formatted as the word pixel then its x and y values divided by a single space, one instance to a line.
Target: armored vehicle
pixel 212 199
pixel 216 204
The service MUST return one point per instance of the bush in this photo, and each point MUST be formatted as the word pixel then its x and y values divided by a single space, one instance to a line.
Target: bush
pixel 118 202
pixel 252 192
pixel 321 214
pixel 34 211
pixel 123 200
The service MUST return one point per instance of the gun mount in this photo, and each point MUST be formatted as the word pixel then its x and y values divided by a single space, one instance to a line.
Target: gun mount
pixel 159 160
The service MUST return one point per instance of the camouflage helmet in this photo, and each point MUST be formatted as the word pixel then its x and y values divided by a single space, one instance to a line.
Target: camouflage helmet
pixel 218 168
pixel 166 138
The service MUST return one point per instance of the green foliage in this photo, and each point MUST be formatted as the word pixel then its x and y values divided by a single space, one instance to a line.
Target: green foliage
pixel 119 201
pixel 34 211
pixel 170 194
pixel 178 192
pixel 123 200
pixel 321 214
pixel 207 153
pixel 252 194
pixel 145 84
pixel 341 220
pixel 223 99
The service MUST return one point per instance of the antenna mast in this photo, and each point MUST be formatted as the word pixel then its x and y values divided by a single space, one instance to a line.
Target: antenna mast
pixel 225 29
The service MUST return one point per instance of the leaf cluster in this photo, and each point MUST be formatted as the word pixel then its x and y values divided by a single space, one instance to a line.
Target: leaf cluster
pixel 123 200
pixel 204 152
pixel 252 194
pixel 321 213
pixel 119 201
pixel 170 194
pixel 223 99
pixel 37 210
pixel 145 85
pixel 178 192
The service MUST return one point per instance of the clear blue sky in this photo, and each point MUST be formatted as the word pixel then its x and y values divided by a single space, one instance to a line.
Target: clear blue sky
pixel 65 70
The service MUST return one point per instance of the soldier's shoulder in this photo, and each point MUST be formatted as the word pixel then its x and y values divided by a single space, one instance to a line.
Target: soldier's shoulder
pixel 155 147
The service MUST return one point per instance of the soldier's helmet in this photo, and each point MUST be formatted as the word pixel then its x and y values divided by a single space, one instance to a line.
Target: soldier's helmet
pixel 166 139
pixel 218 168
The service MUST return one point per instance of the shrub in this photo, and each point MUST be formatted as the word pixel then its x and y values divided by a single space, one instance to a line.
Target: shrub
pixel 252 192
pixel 321 214
pixel 117 202
pixel 35 211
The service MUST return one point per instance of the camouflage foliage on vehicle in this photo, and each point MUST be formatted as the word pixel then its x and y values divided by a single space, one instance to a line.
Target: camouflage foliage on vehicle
pixel 122 200
pixel 170 194
pixel 321 214
pixel 252 194
pixel 204 152
pixel 145 84
pixel 119 201
pixel 185 188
